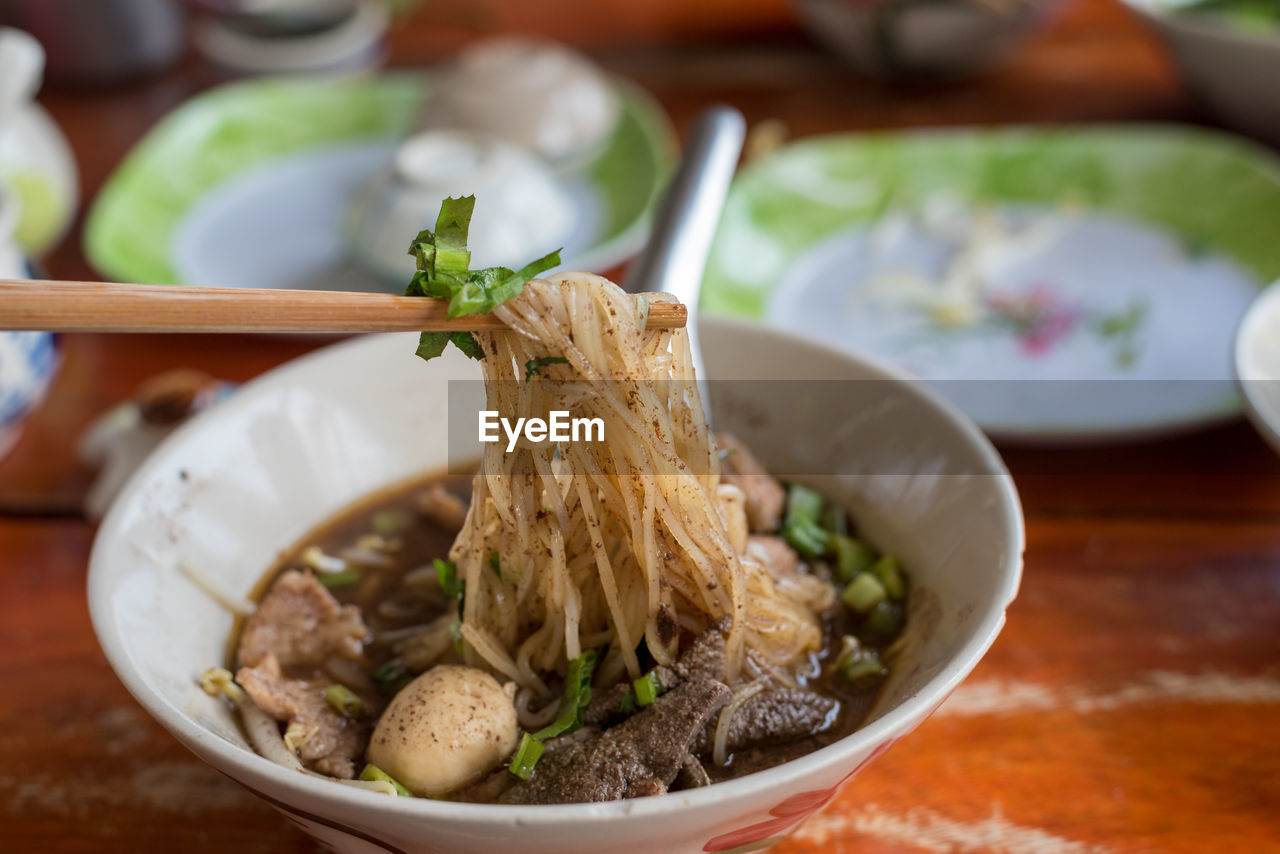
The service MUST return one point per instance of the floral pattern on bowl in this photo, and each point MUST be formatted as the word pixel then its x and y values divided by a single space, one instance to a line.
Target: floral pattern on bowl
pixel 788 814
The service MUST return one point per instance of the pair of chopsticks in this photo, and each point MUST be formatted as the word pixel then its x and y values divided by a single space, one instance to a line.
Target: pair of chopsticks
pixel 672 262
pixel 107 307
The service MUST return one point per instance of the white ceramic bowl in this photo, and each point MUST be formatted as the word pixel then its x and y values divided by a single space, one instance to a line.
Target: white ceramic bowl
pixel 526 213
pixel 922 41
pixel 1233 70
pixel 1258 364
pixel 231 489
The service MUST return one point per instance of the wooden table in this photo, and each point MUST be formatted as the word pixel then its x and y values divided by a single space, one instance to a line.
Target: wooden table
pixel 1131 704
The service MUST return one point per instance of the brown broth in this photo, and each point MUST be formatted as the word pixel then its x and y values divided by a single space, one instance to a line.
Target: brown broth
pixel 380 596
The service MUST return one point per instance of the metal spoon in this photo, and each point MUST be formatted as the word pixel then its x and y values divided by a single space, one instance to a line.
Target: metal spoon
pixel 686 221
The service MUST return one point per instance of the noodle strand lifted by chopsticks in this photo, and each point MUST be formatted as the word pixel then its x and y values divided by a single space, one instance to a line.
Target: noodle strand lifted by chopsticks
pixel 624 539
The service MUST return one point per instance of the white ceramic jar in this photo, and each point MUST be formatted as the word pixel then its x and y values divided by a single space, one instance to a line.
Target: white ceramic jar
pixel 28 360
pixel 36 163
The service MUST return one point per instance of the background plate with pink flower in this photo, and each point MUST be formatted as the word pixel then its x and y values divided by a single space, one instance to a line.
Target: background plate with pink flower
pixel 1063 285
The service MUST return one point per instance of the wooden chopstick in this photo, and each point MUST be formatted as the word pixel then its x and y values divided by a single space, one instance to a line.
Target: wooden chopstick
pixel 109 307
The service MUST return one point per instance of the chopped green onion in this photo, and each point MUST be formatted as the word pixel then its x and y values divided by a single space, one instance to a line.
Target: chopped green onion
pixel 628 705
pixel 647 688
pixel 526 757
pixel 392 676
pixel 386 523
pixel 861 664
pixel 800 528
pixel 883 623
pixel 534 366
pixel 495 563
pixel 889 572
pixel 577 694
pixel 806 537
pixel 340 579
pixel 835 520
pixel 863 593
pixel 803 503
pixel 450 583
pixel 447 575
pixel 344 700
pixel 455 632
pixel 373 774
pixel 853 557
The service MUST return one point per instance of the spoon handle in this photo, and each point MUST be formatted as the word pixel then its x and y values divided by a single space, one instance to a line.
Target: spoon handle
pixel 686 221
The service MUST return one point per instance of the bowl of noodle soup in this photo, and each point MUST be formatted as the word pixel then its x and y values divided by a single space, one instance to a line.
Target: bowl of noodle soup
pixel 228 492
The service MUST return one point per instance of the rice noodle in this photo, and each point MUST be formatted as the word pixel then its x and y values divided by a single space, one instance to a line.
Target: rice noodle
pixel 264 734
pixel 597 539
pixel 214 590
pixel 720 746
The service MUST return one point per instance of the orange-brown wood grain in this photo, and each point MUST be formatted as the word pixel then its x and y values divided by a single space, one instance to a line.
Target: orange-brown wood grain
pixel 1130 705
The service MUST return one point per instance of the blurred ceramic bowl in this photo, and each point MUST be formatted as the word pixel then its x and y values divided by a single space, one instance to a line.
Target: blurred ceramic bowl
pixel 1258 364
pixel 1234 70
pixel 525 212
pixel 236 484
pixel 923 39
pixel 296 37
pixel 540 95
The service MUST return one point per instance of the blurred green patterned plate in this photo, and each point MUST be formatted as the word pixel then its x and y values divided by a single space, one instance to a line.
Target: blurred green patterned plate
pixel 1114 265
pixel 249 184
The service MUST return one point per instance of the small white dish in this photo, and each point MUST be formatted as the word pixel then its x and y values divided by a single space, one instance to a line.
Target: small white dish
pixel 923 41
pixel 1233 69
pixel 235 485
pixel 1258 364
pixel 540 95
pixel 523 211
pixel 353 44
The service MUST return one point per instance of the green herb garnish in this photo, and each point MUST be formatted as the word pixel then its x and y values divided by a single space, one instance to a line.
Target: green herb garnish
pixel 800 528
pixel 526 757
pixel 628 705
pixel 339 579
pixel 344 701
pixel 385 523
pixel 883 622
pixel 443 262
pixel 495 563
pixel 862 663
pixel 372 773
pixel 577 694
pixel 533 366
pixel 647 688
pixel 835 520
pixel 853 557
pixel 863 593
pixel 450 584
pixel 392 676
pixel 888 572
